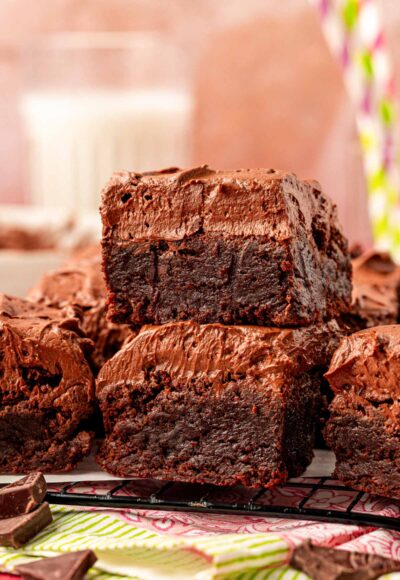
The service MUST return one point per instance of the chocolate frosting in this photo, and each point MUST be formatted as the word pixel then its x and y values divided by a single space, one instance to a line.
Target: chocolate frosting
pixel 368 363
pixel 376 283
pixel 187 349
pixel 376 266
pixel 43 363
pixel 235 203
pixel 321 563
pixel 80 284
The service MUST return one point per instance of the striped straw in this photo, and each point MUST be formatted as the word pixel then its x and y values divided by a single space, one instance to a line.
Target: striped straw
pixel 353 29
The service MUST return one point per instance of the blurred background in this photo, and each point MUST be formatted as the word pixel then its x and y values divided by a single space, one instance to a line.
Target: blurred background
pixel 88 87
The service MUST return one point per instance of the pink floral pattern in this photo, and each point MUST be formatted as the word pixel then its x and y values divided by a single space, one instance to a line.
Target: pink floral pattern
pixel 331 499
pixel 331 496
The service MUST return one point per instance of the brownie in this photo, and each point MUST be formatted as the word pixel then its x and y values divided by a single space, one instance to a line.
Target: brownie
pixel 216 404
pixel 253 247
pixel 364 425
pixel 19 238
pixel 376 284
pixel 81 284
pixel 46 388
pixel 320 563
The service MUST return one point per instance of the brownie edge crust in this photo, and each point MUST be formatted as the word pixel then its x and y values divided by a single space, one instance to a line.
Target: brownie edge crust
pixel 254 247
pixel 214 404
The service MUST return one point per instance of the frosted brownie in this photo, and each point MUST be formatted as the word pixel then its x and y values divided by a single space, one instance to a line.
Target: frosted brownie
pixel 376 284
pixel 214 404
pixel 364 425
pixel 81 284
pixel 46 388
pixel 241 247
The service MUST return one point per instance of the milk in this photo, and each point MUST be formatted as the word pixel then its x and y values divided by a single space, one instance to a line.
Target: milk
pixel 77 140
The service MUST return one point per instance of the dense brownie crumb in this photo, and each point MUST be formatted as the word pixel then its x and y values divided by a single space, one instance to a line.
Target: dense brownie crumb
pixel 46 388
pixel 81 284
pixel 218 404
pixel 364 425
pixel 243 247
pixel 376 285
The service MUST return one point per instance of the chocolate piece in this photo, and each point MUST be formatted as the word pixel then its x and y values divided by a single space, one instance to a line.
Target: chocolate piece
pixel 15 532
pixel 215 404
pixel 376 284
pixel 72 566
pixel 321 563
pixel 241 247
pixel 22 496
pixel 80 284
pixel 364 425
pixel 46 388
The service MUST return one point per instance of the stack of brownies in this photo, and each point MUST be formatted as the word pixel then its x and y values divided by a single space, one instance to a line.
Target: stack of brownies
pixel 234 281
pixel 237 279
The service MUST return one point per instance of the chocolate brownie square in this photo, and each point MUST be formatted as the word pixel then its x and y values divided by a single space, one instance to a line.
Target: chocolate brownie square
pixel 225 405
pixel 255 247
pixel 80 284
pixel 364 425
pixel 46 388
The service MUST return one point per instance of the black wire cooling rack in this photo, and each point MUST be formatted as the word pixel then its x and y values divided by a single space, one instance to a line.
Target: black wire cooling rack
pixel 321 499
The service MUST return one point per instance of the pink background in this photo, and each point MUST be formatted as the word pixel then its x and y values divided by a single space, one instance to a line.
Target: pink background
pixel 267 91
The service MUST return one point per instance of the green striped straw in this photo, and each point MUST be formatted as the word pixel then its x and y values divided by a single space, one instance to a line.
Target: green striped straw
pixel 353 29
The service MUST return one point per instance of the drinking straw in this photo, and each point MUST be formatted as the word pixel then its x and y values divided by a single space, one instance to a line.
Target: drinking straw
pixel 354 32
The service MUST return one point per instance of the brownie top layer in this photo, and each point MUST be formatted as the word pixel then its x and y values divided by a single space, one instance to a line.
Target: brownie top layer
pixel 37 344
pixel 376 267
pixel 187 349
pixel 369 362
pixel 376 281
pixel 27 314
pixel 173 204
pixel 79 283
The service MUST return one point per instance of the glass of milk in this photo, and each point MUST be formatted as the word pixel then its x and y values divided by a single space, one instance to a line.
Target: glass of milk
pixel 101 102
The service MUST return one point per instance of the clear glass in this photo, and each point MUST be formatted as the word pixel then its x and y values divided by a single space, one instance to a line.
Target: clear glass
pixel 101 102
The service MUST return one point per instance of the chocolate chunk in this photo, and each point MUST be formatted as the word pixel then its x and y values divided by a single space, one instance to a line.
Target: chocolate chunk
pixel 15 532
pixel 22 496
pixel 71 566
pixel 328 564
